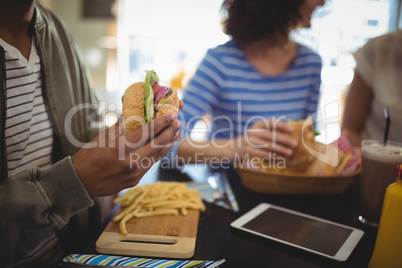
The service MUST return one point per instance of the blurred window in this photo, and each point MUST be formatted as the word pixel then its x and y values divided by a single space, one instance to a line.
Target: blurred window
pixel 338 29
pixel 170 37
pixel 372 22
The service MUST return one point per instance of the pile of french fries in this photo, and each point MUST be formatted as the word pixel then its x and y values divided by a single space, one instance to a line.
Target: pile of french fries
pixel 160 198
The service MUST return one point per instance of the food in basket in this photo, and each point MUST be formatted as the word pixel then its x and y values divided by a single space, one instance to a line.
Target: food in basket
pixel 319 176
pixel 329 154
pixel 160 198
pixel 309 157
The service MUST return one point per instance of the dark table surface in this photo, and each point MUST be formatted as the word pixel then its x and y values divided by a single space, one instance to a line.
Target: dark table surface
pixel 217 240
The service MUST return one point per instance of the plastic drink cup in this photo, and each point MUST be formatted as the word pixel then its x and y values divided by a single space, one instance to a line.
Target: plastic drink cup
pixel 379 163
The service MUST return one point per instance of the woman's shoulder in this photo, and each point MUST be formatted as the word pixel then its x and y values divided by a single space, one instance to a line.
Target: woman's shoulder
pixel 385 41
pixel 230 48
pixel 226 57
pixel 307 51
pixel 308 54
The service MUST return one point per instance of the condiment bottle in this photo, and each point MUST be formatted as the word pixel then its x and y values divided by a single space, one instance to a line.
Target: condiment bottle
pixel 387 251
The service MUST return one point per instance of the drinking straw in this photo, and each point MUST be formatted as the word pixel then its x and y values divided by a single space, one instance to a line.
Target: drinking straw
pixel 388 122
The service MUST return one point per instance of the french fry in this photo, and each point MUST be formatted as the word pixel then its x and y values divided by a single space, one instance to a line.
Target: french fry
pixel 184 211
pixel 163 211
pixel 160 198
pixel 344 162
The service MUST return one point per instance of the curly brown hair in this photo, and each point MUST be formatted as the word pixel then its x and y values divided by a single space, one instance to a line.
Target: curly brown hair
pixel 254 20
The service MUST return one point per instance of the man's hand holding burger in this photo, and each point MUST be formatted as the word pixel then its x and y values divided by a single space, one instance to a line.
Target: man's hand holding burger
pixel 114 160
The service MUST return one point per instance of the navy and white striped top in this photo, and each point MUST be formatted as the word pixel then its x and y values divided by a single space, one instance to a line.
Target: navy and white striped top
pixel 29 134
pixel 235 94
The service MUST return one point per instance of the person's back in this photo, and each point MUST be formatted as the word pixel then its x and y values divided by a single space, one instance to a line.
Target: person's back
pixel 377 85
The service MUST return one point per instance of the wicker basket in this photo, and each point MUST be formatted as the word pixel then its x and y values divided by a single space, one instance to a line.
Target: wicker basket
pixel 294 183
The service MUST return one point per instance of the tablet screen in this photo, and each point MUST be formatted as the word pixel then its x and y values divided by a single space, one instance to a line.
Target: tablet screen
pixel 305 232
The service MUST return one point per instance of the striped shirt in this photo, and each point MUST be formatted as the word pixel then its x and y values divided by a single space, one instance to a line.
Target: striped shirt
pixel 227 87
pixel 29 134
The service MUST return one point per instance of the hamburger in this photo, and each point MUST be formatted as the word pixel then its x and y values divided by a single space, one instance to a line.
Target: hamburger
pixel 310 157
pixel 320 166
pixel 144 101
pixel 304 133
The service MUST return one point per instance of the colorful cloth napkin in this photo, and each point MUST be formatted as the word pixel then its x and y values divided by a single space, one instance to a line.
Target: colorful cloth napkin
pixel 108 260
pixel 354 161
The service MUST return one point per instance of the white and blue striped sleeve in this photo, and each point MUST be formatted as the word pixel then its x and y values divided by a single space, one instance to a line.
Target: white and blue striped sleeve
pixel 200 96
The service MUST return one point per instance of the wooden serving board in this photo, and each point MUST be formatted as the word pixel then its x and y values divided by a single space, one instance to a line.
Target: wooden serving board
pixel 164 236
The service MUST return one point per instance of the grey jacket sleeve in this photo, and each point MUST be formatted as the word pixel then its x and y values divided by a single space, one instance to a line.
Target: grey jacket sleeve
pixel 32 206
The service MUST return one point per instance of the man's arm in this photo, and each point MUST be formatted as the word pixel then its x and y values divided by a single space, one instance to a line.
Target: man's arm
pixel 38 201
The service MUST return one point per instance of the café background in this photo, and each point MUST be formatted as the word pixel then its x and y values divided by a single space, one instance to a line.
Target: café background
pixel 120 39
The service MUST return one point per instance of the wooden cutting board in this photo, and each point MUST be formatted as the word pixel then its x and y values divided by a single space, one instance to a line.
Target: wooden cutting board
pixel 164 236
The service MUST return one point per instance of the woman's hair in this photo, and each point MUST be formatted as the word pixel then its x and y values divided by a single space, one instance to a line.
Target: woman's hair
pixel 253 20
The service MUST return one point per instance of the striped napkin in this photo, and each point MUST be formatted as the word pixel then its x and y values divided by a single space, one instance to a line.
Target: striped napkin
pixel 354 161
pixel 132 261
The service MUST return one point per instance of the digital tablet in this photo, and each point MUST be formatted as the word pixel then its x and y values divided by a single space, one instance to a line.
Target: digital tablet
pixel 316 235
